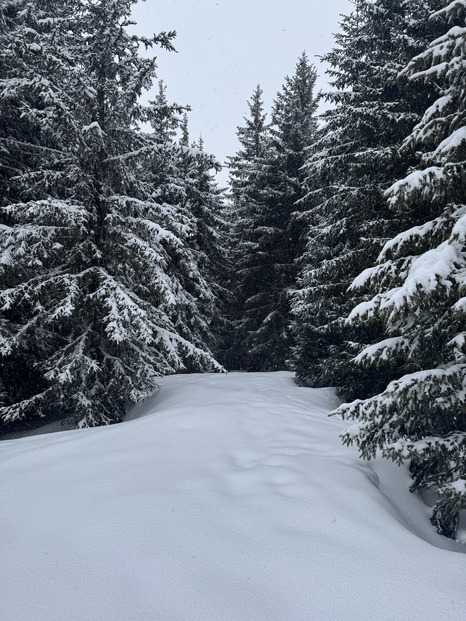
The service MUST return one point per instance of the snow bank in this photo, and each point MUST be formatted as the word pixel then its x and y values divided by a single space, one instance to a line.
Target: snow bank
pixel 222 498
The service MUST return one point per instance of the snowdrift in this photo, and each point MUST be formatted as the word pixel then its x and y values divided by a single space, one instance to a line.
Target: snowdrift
pixel 221 498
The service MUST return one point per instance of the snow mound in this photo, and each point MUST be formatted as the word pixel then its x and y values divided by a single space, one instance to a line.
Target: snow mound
pixel 222 498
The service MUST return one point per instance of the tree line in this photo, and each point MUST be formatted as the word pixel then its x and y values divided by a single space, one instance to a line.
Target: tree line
pixel 338 251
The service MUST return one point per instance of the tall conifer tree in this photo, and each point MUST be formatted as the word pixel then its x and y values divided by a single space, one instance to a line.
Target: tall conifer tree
pixel 91 254
pixel 417 289
pixel 183 178
pixel 248 188
pixel 204 200
pixel 272 236
pixel 355 159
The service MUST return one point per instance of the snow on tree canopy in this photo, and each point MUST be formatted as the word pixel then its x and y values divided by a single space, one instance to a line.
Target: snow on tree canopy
pixel 102 288
pixel 417 289
pixel 356 158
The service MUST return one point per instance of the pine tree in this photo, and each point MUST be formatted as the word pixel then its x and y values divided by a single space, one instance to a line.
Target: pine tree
pixel 248 190
pixel 205 203
pixel 271 233
pixel 35 72
pixel 354 160
pixel 89 260
pixel 417 290
pixel 183 177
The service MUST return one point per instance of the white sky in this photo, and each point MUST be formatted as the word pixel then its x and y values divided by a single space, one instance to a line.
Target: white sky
pixel 226 47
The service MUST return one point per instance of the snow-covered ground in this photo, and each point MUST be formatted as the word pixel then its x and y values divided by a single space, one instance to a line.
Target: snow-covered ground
pixel 223 497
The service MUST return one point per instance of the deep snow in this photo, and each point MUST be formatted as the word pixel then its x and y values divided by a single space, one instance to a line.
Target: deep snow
pixel 223 497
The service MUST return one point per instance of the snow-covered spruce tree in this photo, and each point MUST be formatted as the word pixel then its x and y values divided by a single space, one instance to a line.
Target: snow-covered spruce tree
pixel 183 177
pixel 35 134
pixel 248 191
pixel 182 180
pixel 34 105
pixel 273 243
pixel 354 160
pixel 208 241
pixel 418 289
pixel 89 254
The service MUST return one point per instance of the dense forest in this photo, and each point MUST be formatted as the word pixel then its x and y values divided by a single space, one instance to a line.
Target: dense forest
pixel 338 250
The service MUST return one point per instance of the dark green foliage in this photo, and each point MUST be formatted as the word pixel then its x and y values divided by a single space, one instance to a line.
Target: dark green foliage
pixel 248 183
pixel 208 241
pixel 445 518
pixel 266 185
pixel 351 164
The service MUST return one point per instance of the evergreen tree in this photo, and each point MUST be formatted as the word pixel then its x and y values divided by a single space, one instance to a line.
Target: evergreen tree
pixel 90 254
pixel 183 177
pixel 35 73
pixel 247 193
pixel 417 290
pixel 271 235
pixel 354 160
pixel 205 203
pixel 36 134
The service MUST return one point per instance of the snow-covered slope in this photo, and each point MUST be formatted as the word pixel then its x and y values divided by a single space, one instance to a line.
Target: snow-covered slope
pixel 224 497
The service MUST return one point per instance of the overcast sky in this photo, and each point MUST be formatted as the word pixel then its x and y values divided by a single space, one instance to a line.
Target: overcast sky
pixel 226 47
